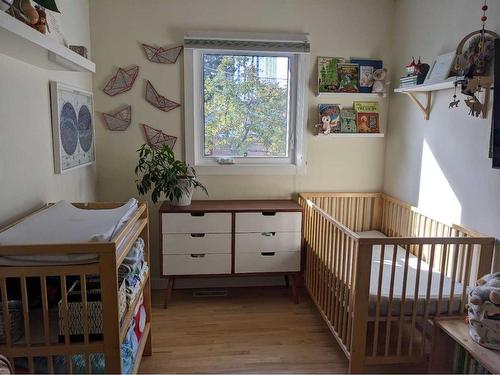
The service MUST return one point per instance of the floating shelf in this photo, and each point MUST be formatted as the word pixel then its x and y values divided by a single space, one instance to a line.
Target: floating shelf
pixel 24 43
pixel 360 95
pixel 353 135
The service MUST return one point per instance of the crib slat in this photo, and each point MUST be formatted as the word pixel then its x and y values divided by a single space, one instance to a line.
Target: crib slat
pixel 6 312
pixel 453 281
pixel 26 318
pixel 389 304
pixel 64 291
pixel 403 300
pixel 336 284
pixel 465 280
pixel 444 259
pixel 415 299
pixel 45 315
pixel 427 295
pixel 377 307
pixel 83 283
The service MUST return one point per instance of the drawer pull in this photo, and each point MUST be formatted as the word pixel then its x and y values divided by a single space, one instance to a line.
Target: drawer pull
pixel 198 235
pixel 269 213
pixel 197 255
pixel 268 253
pixel 197 214
pixel 268 234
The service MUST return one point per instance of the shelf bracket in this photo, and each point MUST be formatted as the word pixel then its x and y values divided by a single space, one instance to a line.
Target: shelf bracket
pixel 425 109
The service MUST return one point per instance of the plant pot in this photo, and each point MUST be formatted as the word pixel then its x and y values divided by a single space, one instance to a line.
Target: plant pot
pixel 187 193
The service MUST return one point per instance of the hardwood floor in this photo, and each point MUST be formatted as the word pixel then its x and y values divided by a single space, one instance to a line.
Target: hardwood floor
pixel 252 330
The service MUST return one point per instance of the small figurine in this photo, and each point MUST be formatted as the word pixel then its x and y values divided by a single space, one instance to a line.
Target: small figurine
pixel 324 127
pixel 475 106
pixel 380 84
pixel 41 26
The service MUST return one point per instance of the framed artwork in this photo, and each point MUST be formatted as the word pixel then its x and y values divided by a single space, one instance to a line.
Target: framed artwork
pixel 440 68
pixel 72 127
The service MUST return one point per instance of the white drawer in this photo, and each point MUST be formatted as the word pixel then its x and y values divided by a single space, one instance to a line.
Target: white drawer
pixel 196 264
pixel 192 223
pixel 211 243
pixel 279 261
pixel 267 241
pixel 268 221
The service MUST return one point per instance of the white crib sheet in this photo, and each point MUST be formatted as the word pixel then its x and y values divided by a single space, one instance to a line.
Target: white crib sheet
pixel 63 223
pixel 425 274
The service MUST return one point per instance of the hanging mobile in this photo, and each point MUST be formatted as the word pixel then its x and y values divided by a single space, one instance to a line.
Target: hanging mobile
pixel 455 101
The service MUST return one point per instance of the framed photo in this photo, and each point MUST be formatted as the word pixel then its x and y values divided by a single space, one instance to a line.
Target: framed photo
pixel 440 68
pixel 72 127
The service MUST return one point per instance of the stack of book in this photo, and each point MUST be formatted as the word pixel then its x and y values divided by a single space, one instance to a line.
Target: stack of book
pixel 464 363
pixel 408 81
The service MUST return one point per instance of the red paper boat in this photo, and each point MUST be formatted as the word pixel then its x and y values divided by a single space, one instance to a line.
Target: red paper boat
pixel 162 55
pixel 122 81
pixel 119 120
pixel 160 102
pixel 156 138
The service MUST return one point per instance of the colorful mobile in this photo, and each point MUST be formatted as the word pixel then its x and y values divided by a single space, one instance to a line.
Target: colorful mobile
pixel 119 120
pixel 162 55
pixel 122 81
pixel 157 100
pixel 156 138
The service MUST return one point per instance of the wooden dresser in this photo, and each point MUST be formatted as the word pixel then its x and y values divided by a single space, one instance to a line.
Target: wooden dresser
pixel 231 238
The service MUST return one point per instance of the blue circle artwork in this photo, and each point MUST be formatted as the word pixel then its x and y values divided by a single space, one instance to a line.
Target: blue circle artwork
pixel 68 130
pixel 85 128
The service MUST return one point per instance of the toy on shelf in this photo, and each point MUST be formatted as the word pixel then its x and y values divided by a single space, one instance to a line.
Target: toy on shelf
pixel 484 311
pixel 379 81
pixel 324 127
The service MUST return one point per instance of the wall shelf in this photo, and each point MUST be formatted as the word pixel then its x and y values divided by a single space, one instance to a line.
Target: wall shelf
pixel 24 43
pixel 353 135
pixel 356 95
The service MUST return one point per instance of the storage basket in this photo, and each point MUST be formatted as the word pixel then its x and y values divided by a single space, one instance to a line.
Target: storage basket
pixel 484 324
pixel 16 321
pixel 94 312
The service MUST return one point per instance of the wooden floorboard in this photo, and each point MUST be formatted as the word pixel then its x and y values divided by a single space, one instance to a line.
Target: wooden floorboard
pixel 252 330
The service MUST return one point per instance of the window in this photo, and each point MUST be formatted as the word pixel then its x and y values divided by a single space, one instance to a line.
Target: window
pixel 245 104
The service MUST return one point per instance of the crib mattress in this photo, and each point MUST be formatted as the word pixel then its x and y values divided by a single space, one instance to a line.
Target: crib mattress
pixel 421 295
pixel 63 223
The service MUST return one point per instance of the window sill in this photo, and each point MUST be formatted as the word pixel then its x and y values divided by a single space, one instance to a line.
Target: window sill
pixel 248 169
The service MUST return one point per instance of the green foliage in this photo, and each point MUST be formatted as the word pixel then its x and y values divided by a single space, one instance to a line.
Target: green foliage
pixel 48 4
pixel 160 172
pixel 242 109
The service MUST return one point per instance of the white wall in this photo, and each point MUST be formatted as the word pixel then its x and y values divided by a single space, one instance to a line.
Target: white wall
pixel 26 161
pixel 337 28
pixel 441 165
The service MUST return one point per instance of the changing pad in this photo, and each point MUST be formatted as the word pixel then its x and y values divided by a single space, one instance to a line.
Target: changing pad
pixel 63 223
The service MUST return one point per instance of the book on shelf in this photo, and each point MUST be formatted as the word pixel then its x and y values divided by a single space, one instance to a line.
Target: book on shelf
pixel 361 106
pixel 366 69
pixel 464 363
pixel 367 122
pixel 348 120
pixel 348 75
pixel 328 74
pixel 333 111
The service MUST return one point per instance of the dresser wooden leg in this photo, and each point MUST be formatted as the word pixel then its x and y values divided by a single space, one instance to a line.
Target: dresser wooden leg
pixel 168 295
pixel 293 283
pixel 287 281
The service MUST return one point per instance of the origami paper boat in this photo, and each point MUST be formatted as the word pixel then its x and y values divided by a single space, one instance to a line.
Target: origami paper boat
pixel 160 102
pixel 162 55
pixel 156 138
pixel 122 81
pixel 118 120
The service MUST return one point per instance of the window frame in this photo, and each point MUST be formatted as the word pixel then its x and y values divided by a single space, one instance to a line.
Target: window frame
pixel 194 117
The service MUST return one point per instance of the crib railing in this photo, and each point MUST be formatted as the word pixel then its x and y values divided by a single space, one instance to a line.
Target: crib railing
pixel 373 313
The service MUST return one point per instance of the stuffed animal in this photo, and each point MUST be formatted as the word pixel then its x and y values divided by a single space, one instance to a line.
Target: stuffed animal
pixel 487 289
pixel 379 81
pixel 324 127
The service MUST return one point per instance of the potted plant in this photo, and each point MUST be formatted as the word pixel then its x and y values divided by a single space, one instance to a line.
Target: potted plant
pixel 159 171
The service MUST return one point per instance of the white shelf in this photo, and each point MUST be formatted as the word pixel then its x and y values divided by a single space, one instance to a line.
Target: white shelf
pixel 358 95
pixel 353 135
pixel 24 43
pixel 425 87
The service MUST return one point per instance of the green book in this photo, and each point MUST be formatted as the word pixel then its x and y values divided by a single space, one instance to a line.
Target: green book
pixel 348 120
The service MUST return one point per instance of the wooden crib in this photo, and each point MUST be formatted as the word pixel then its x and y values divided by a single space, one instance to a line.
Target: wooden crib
pixel 378 294
pixel 41 338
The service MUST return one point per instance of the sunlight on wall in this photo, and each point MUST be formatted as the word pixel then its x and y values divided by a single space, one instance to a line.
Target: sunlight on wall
pixel 436 197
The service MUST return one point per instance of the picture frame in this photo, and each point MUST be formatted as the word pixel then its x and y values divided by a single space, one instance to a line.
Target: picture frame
pixel 440 68
pixel 73 130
